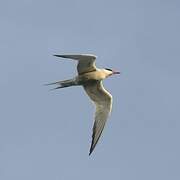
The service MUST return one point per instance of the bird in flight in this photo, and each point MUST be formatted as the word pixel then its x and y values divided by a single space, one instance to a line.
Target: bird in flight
pixel 90 77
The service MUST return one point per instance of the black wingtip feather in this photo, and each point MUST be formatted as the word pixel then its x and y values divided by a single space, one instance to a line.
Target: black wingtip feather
pixel 62 56
pixel 57 55
pixel 93 145
pixel 91 150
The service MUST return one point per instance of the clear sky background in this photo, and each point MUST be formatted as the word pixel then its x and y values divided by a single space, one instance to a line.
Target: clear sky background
pixel 46 135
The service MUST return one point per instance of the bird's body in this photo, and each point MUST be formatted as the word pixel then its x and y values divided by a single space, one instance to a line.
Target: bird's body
pixel 91 78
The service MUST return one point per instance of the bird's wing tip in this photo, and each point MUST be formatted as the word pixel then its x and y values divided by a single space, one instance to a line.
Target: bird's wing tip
pixel 75 55
pixel 58 55
pixel 90 151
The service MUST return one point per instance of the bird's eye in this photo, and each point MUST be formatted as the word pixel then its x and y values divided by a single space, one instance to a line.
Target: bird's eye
pixel 108 69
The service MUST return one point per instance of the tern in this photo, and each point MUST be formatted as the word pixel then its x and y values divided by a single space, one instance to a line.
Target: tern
pixel 90 77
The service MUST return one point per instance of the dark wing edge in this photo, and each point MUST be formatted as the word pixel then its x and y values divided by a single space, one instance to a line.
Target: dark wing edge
pixel 103 103
pixel 77 56
pixel 86 62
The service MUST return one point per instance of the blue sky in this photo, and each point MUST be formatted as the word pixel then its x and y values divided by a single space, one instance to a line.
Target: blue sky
pixel 46 135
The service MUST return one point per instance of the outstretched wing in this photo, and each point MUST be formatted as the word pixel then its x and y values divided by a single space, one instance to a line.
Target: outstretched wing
pixel 86 62
pixel 103 103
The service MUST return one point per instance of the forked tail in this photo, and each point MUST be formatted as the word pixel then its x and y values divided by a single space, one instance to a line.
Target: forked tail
pixel 63 84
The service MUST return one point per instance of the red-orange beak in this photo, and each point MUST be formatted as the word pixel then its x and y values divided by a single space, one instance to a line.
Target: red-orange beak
pixel 116 72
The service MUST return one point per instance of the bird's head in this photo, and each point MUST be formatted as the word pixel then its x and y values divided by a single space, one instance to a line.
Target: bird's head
pixel 110 72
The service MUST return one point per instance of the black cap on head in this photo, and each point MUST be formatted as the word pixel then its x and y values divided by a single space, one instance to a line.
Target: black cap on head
pixel 108 69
